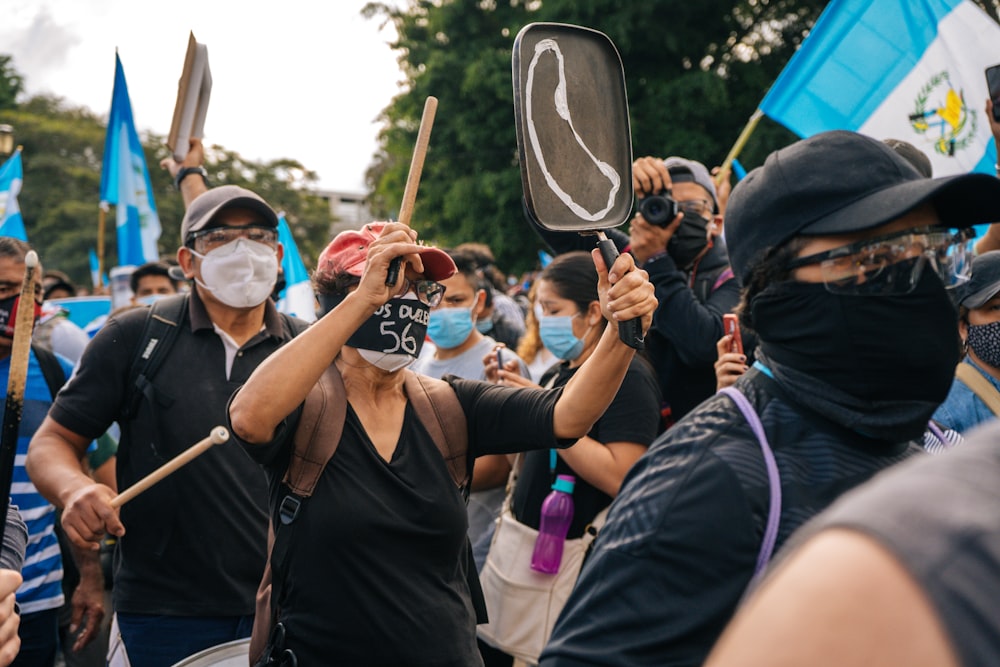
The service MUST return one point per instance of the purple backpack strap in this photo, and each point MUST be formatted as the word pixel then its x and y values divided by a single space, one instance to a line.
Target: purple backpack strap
pixel 723 277
pixel 773 477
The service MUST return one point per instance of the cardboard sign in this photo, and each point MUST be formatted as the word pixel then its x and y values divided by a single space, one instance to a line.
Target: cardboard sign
pixel 193 92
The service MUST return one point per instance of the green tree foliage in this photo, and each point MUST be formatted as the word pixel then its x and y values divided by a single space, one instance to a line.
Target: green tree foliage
pixel 11 83
pixel 63 150
pixel 695 72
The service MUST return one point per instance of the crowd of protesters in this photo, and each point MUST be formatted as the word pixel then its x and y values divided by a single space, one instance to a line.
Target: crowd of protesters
pixel 760 495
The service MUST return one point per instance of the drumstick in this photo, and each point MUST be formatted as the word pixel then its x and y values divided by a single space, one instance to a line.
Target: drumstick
pixel 24 322
pixel 413 179
pixel 218 436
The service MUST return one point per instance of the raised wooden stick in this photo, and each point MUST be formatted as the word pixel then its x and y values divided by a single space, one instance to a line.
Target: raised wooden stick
pixel 24 322
pixel 218 436
pixel 413 179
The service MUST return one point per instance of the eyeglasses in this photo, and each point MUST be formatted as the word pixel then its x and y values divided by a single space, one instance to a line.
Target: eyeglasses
pixel 699 207
pixel 428 292
pixel 210 239
pixel 893 264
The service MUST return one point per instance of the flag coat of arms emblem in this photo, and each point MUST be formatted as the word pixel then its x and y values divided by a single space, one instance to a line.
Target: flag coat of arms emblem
pixel 896 69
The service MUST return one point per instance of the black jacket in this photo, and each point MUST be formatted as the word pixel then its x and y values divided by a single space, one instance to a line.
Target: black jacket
pixel 682 538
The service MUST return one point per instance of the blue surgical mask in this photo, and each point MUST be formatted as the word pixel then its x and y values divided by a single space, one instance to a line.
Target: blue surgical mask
pixel 450 327
pixel 556 332
pixel 484 324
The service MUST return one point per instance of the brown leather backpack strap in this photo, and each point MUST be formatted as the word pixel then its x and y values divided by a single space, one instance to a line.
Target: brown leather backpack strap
pixel 325 407
pixel 439 411
pixel 979 385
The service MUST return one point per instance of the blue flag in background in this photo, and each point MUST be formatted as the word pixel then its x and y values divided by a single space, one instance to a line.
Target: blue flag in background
pixel 11 175
pixel 297 298
pixel 125 181
pixel 896 69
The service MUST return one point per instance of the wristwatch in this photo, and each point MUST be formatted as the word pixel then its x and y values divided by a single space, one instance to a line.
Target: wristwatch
pixel 184 172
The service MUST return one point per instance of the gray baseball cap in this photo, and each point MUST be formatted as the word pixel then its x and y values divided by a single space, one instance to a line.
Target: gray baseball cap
pixel 683 170
pixel 983 285
pixel 206 205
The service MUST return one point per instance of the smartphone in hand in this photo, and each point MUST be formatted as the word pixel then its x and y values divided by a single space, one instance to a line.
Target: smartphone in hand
pixel 731 327
pixel 993 84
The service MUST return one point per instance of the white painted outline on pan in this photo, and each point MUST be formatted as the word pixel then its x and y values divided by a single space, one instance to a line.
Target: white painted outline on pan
pixel 562 108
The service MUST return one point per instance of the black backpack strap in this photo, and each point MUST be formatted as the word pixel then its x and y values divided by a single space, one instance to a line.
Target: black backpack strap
pixel 163 322
pixel 51 369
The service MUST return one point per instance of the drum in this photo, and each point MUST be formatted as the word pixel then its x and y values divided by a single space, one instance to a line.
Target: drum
pixel 230 654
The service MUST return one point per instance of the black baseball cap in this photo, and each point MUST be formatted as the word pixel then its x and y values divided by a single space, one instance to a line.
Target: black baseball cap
pixel 983 284
pixel 841 182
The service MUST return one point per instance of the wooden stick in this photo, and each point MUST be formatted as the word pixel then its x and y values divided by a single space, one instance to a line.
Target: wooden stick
pixel 413 179
pixel 417 162
pixel 218 436
pixel 24 322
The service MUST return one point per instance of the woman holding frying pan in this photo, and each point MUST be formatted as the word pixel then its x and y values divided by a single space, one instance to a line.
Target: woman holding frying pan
pixel 375 572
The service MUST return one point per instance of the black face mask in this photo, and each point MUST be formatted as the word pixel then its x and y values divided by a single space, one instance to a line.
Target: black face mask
pixel 689 241
pixel 399 326
pixel 8 312
pixel 875 348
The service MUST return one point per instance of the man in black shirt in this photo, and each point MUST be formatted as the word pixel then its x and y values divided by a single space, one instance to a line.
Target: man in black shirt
pixel 188 566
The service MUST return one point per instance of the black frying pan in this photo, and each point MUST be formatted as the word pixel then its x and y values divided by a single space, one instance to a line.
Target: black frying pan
pixel 573 135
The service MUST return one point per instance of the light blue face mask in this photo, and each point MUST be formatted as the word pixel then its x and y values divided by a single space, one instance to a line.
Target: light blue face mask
pixel 484 324
pixel 150 299
pixel 556 332
pixel 450 327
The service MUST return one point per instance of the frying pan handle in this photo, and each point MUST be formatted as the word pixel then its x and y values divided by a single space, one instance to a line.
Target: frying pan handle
pixel 630 332
pixel 392 273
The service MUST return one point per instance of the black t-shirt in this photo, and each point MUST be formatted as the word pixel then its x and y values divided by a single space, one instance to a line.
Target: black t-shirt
pixel 195 542
pixel 634 416
pixel 376 562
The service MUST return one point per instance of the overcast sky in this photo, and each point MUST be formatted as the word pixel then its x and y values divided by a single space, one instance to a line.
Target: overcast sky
pixel 303 79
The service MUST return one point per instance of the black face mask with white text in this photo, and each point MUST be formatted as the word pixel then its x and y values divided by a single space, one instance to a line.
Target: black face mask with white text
pixel 393 336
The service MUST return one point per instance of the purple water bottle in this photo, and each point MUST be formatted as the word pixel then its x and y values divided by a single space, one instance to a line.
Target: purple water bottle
pixel 557 514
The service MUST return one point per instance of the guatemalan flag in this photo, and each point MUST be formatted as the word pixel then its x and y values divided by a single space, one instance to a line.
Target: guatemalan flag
pixel 896 69
pixel 125 181
pixel 297 298
pixel 11 174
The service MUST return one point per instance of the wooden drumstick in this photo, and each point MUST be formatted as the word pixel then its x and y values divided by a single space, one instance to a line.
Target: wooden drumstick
pixel 218 436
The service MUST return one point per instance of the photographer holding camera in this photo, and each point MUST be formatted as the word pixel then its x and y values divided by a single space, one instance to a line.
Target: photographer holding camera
pixel 674 236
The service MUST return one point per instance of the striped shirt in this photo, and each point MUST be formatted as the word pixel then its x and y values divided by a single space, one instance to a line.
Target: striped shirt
pixel 42 571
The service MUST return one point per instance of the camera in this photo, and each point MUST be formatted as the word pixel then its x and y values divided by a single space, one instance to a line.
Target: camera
pixel 658 209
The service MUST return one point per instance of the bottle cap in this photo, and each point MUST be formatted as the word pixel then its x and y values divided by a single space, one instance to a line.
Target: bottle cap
pixel 564 483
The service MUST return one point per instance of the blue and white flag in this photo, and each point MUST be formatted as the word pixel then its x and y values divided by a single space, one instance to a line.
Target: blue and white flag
pixel 297 298
pixel 11 175
pixel 125 181
pixel 896 69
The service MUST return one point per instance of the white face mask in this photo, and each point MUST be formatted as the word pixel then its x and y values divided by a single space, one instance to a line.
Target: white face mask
pixel 241 273
pixel 385 360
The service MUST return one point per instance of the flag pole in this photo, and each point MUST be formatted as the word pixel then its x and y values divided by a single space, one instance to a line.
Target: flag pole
pixel 738 146
pixel 100 246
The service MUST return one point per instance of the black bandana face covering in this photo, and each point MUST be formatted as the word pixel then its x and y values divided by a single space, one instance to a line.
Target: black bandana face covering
pixel 875 348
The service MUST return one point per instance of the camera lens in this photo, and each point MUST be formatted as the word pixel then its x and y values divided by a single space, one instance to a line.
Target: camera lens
pixel 658 210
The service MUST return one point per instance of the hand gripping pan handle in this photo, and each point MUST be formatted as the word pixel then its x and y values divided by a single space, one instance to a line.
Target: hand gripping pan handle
pixel 573 136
